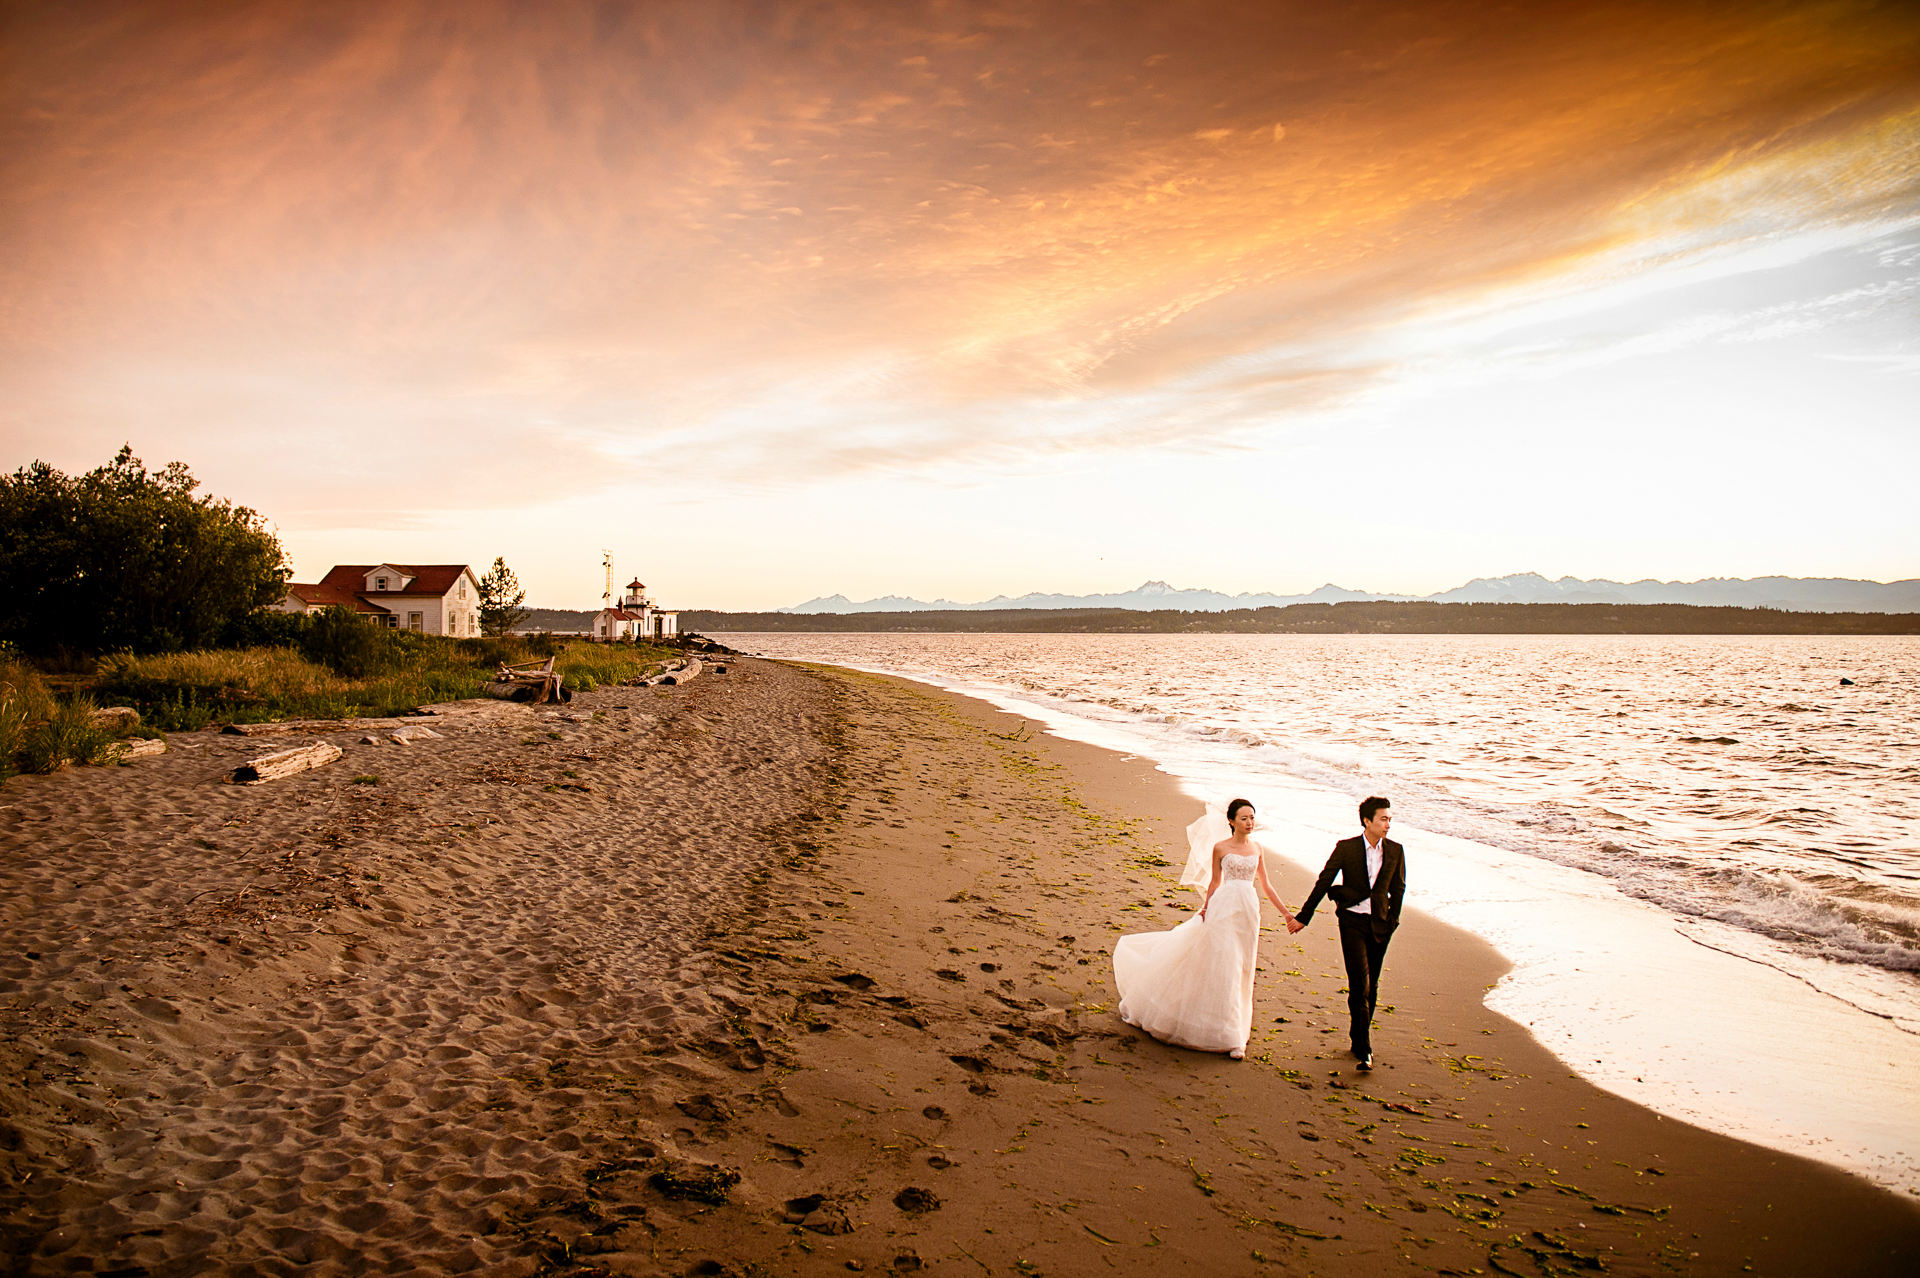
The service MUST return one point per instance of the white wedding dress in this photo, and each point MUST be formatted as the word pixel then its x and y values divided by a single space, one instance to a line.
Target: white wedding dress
pixel 1193 986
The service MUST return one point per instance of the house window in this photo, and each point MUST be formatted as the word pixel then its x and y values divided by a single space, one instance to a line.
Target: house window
pixel 393 622
pixel 379 583
pixel 416 621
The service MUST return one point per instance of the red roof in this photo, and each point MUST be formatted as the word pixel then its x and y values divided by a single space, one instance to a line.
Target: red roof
pixel 324 596
pixel 428 579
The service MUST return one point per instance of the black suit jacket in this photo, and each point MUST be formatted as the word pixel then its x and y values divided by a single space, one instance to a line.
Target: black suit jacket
pixel 1348 865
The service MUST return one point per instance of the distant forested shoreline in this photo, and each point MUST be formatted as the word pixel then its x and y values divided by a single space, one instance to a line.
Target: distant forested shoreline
pixel 1340 618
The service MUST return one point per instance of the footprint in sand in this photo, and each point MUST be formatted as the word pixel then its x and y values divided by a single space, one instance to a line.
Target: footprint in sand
pixel 916 1201
pixel 818 1213
pixel 705 1108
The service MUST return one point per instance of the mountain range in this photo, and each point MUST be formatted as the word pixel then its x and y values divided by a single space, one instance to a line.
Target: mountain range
pixel 1793 594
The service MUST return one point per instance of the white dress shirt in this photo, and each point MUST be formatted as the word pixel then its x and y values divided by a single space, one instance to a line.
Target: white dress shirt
pixel 1374 859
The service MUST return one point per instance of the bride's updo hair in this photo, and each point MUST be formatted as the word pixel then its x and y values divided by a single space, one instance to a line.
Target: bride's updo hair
pixel 1233 809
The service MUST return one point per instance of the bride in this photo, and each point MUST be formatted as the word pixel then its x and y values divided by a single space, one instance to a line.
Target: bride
pixel 1193 986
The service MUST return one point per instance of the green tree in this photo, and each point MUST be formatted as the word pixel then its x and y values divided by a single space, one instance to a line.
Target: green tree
pixel 500 599
pixel 121 557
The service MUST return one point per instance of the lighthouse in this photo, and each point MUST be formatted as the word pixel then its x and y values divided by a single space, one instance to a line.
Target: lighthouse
pixel 635 617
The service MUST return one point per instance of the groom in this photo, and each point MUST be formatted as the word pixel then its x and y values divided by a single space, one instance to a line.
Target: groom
pixel 1372 874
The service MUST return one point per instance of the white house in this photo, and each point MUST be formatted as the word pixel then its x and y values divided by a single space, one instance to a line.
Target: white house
pixel 433 599
pixel 635 618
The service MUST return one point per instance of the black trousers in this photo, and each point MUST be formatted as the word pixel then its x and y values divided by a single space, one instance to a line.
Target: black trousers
pixel 1363 955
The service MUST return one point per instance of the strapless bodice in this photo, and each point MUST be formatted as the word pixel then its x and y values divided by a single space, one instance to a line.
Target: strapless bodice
pixel 1237 867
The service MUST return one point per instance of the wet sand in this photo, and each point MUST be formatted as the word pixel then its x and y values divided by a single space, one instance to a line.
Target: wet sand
pixel 783 971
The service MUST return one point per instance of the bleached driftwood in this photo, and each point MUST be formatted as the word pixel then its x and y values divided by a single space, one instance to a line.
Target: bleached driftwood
pixel 684 673
pixel 534 682
pixel 414 732
pixel 531 692
pixel 136 748
pixel 284 763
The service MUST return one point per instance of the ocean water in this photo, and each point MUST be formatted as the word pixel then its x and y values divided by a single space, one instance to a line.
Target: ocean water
pixel 1702 854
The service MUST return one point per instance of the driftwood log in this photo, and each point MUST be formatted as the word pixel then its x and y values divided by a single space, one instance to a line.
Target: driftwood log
pixel 135 748
pixel 533 682
pixel 691 670
pixel 284 763
pixel 531 693
pixel 414 732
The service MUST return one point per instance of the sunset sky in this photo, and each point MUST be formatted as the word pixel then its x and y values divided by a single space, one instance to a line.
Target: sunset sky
pixel 775 300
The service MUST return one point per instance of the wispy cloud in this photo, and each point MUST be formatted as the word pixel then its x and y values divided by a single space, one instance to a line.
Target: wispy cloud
pixel 763 244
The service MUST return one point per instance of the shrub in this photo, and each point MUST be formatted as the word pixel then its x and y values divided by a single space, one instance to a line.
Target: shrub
pixel 265 628
pixel 346 644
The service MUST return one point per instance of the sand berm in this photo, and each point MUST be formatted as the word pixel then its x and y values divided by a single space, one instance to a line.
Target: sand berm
pixel 787 970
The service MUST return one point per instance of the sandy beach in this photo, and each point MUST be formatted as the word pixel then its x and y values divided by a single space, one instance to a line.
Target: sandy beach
pixel 786 970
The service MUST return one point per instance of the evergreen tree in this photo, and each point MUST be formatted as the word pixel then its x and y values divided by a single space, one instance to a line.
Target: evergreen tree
pixel 500 599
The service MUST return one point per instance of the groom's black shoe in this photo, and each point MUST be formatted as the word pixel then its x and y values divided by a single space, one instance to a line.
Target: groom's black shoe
pixel 1366 1063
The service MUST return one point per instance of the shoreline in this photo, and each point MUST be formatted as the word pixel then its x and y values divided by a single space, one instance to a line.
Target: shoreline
pixel 1592 964
pixel 808 974
pixel 1469 1135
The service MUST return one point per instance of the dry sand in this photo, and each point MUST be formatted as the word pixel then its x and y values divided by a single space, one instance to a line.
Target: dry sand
pixel 782 971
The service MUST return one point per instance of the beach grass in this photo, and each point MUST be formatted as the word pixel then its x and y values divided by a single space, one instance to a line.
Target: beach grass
pixel 42 732
pixel 185 691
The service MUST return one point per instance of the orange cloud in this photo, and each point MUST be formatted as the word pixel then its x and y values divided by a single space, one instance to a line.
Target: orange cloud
pixel 519 221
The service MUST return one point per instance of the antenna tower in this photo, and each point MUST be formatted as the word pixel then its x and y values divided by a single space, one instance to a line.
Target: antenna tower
pixel 606 561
